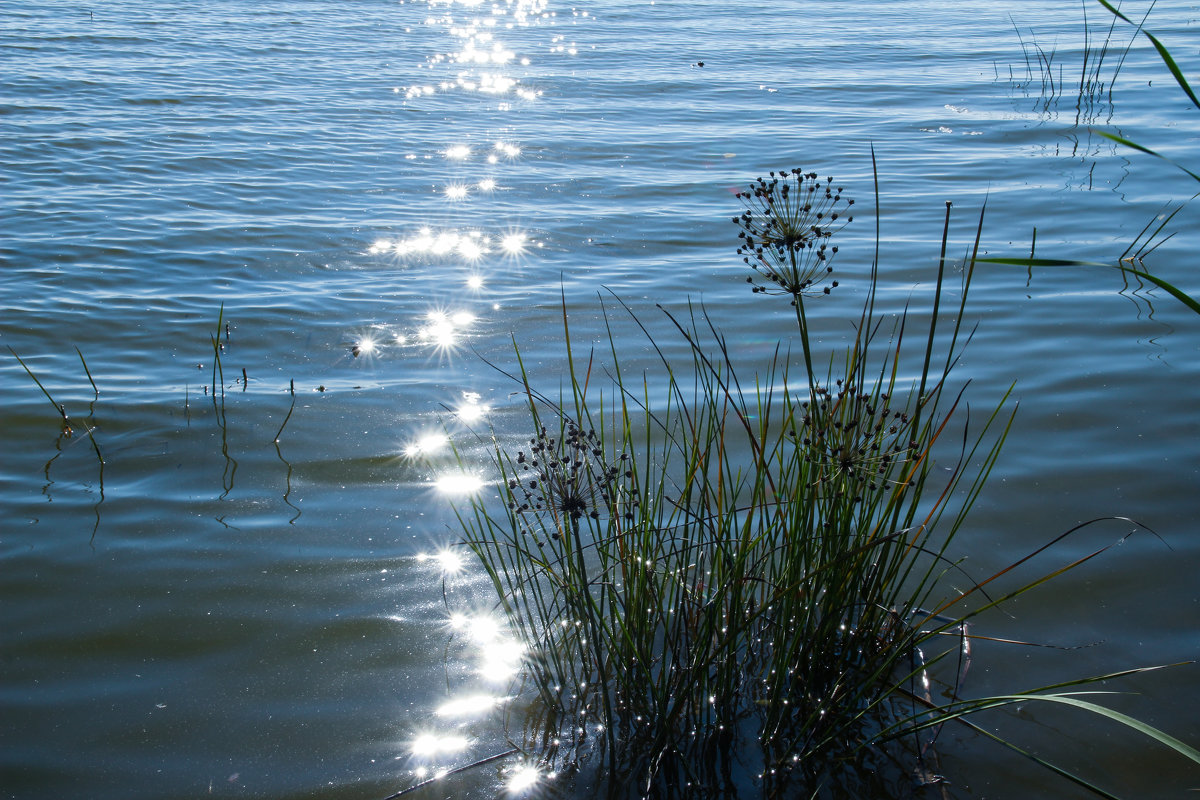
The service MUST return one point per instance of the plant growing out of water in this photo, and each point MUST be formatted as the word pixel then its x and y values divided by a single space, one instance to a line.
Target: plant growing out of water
pixel 1131 262
pixel 730 575
pixel 786 226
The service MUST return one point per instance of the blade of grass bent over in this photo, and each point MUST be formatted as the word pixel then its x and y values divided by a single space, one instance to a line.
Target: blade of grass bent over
pixel 1170 288
pixel 1162 52
pixel 1144 149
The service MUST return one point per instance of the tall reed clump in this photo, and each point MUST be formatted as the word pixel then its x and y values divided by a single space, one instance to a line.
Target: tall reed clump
pixel 727 577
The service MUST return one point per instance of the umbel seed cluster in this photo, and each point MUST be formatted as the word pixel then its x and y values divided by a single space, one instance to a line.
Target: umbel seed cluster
pixel 563 479
pixel 789 219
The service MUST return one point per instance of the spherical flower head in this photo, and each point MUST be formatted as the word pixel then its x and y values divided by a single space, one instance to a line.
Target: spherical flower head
pixel 854 440
pixel 564 480
pixel 785 230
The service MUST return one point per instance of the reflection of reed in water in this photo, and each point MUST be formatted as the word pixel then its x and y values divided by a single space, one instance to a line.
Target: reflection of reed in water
pixel 67 431
pixel 1083 89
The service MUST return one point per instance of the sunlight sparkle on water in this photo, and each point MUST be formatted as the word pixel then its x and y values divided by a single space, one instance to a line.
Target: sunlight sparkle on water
pixel 458 483
pixel 507 149
pixel 514 243
pixel 499 654
pixel 497 54
pixel 459 152
pixel 427 745
pixel 471 245
pixel 523 778
pixel 448 561
pixel 442 330
pixel 440 333
pixel 365 346
pixel 482 628
pixel 427 444
pixel 500 660
pixel 445 243
pixel 470 409
pixel 495 84
pixel 468 706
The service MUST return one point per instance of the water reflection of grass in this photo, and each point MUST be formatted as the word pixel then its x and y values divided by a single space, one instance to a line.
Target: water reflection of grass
pixel 1132 262
pixel 1089 83
pixel 747 582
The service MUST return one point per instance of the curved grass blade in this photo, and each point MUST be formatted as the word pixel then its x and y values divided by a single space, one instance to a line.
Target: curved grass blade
pixel 1161 737
pixel 292 389
pixel 1166 286
pixel 1162 52
pixel 1175 292
pixel 1144 149
pixel 959 711
pixel 1069 699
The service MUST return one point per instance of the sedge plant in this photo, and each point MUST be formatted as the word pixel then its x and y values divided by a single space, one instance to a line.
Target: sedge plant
pixel 731 575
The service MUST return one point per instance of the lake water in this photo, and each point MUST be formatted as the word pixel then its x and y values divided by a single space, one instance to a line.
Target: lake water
pixel 365 199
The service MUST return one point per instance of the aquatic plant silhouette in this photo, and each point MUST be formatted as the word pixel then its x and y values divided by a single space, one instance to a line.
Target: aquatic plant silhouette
pixel 727 579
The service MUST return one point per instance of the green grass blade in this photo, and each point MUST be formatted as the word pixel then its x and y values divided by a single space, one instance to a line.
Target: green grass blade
pixel 1171 65
pixel 29 372
pixel 1041 262
pixel 1072 777
pixel 1161 737
pixel 1166 286
pixel 1144 149
pixel 1175 292
pixel 88 371
pixel 1162 52
pixel 292 390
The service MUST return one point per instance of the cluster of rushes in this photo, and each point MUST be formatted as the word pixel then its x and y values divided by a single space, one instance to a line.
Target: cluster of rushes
pixel 730 581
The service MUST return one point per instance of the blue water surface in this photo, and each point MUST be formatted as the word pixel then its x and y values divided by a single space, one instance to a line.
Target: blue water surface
pixel 262 254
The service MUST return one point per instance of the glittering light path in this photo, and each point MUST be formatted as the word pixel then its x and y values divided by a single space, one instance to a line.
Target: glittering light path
pixel 483 65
